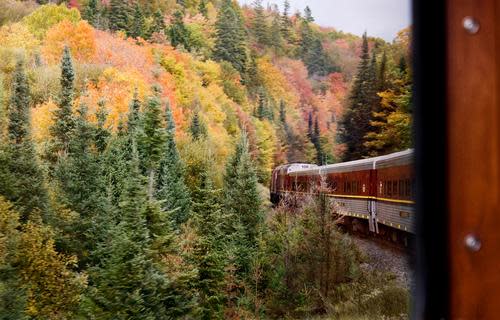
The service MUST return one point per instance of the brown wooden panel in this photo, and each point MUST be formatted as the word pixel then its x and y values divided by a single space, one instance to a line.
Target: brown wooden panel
pixel 473 164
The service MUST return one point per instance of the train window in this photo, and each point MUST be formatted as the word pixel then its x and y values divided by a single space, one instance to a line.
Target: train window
pixel 407 188
pixel 348 187
pixel 395 188
pixel 401 188
pixel 389 188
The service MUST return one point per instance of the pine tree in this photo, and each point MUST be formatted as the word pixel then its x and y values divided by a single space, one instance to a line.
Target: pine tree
pixel 316 60
pixel 137 27
pixel 310 124
pixel 402 65
pixel 133 114
pixel 306 40
pixel 283 114
pixel 151 139
pixel 317 143
pixel 355 123
pixel 64 121
pixel 259 24
pixel 22 180
pixel 382 74
pixel 171 190
pixel 230 44
pixel 119 15
pixel 178 33
pixel 197 127
pixel 261 112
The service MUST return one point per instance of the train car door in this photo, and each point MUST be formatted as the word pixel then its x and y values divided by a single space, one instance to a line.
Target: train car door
pixel 372 201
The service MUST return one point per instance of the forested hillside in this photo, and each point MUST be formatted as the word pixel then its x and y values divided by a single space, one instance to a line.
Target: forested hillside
pixel 136 138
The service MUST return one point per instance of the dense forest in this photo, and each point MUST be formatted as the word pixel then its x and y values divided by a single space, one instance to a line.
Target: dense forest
pixel 137 140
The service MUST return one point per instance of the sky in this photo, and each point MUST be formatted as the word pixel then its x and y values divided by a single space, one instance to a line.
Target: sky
pixel 380 18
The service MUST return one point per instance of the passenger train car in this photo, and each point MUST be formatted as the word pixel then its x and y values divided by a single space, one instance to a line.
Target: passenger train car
pixel 374 195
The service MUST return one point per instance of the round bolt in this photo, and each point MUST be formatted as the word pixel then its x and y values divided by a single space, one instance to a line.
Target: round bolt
pixel 472 243
pixel 470 25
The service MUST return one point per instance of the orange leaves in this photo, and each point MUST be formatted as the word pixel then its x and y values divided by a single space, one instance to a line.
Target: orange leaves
pixel 78 36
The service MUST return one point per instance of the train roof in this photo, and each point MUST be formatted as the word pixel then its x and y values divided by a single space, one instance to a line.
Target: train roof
pixel 397 158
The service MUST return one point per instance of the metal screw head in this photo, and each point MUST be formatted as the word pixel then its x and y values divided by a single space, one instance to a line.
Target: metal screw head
pixel 472 242
pixel 471 25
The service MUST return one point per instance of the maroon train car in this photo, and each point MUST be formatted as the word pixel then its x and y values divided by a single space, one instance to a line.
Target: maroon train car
pixel 378 191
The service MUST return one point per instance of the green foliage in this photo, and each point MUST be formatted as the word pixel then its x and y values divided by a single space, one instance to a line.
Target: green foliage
pixel 230 43
pixel 197 128
pixel 178 33
pixel 91 11
pixel 171 190
pixel 242 204
pixel 46 16
pixel 64 121
pixel 355 123
pixel 259 24
pixel 119 15
pixel 137 26
pixel 158 25
pixel 22 180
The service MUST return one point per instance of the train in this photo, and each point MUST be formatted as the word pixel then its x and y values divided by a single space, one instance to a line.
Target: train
pixel 373 195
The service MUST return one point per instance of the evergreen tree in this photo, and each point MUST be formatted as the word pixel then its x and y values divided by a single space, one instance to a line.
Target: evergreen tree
pixel 276 35
pixel 137 27
pixel 129 284
pixel 21 178
pixel 316 60
pixel 158 25
pixel 382 74
pixel 310 132
pixel 119 15
pixel 178 33
pixel 261 108
pixel 208 256
pixel 355 123
pixel 64 121
pixel 402 65
pixel 286 23
pixel 283 113
pixel 242 203
pixel 101 134
pixel 317 143
pixel 259 24
pixel 230 44
pixel 202 8
pixel 91 12
pixel 151 139
pixel 197 127
pixel 171 190
pixel 308 14
pixel 133 114
pixel 306 40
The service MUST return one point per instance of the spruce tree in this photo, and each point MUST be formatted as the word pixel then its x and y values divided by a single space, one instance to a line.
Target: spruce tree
pixel 171 190
pixel 261 112
pixel 101 134
pixel 91 12
pixel 197 128
pixel 208 256
pixel 259 24
pixel 286 23
pixel 137 27
pixel 282 112
pixel 81 188
pixel 276 40
pixel 316 60
pixel 242 204
pixel 178 33
pixel 151 139
pixel 230 43
pixel 355 123
pixel 158 25
pixel 129 284
pixel 21 178
pixel 382 74
pixel 308 14
pixel 202 8
pixel 119 15
pixel 317 143
pixel 64 121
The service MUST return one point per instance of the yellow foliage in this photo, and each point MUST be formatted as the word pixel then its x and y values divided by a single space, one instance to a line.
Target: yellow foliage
pixel 266 142
pixel 18 36
pixel 78 36
pixel 277 86
pixel 46 16
pixel 42 120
